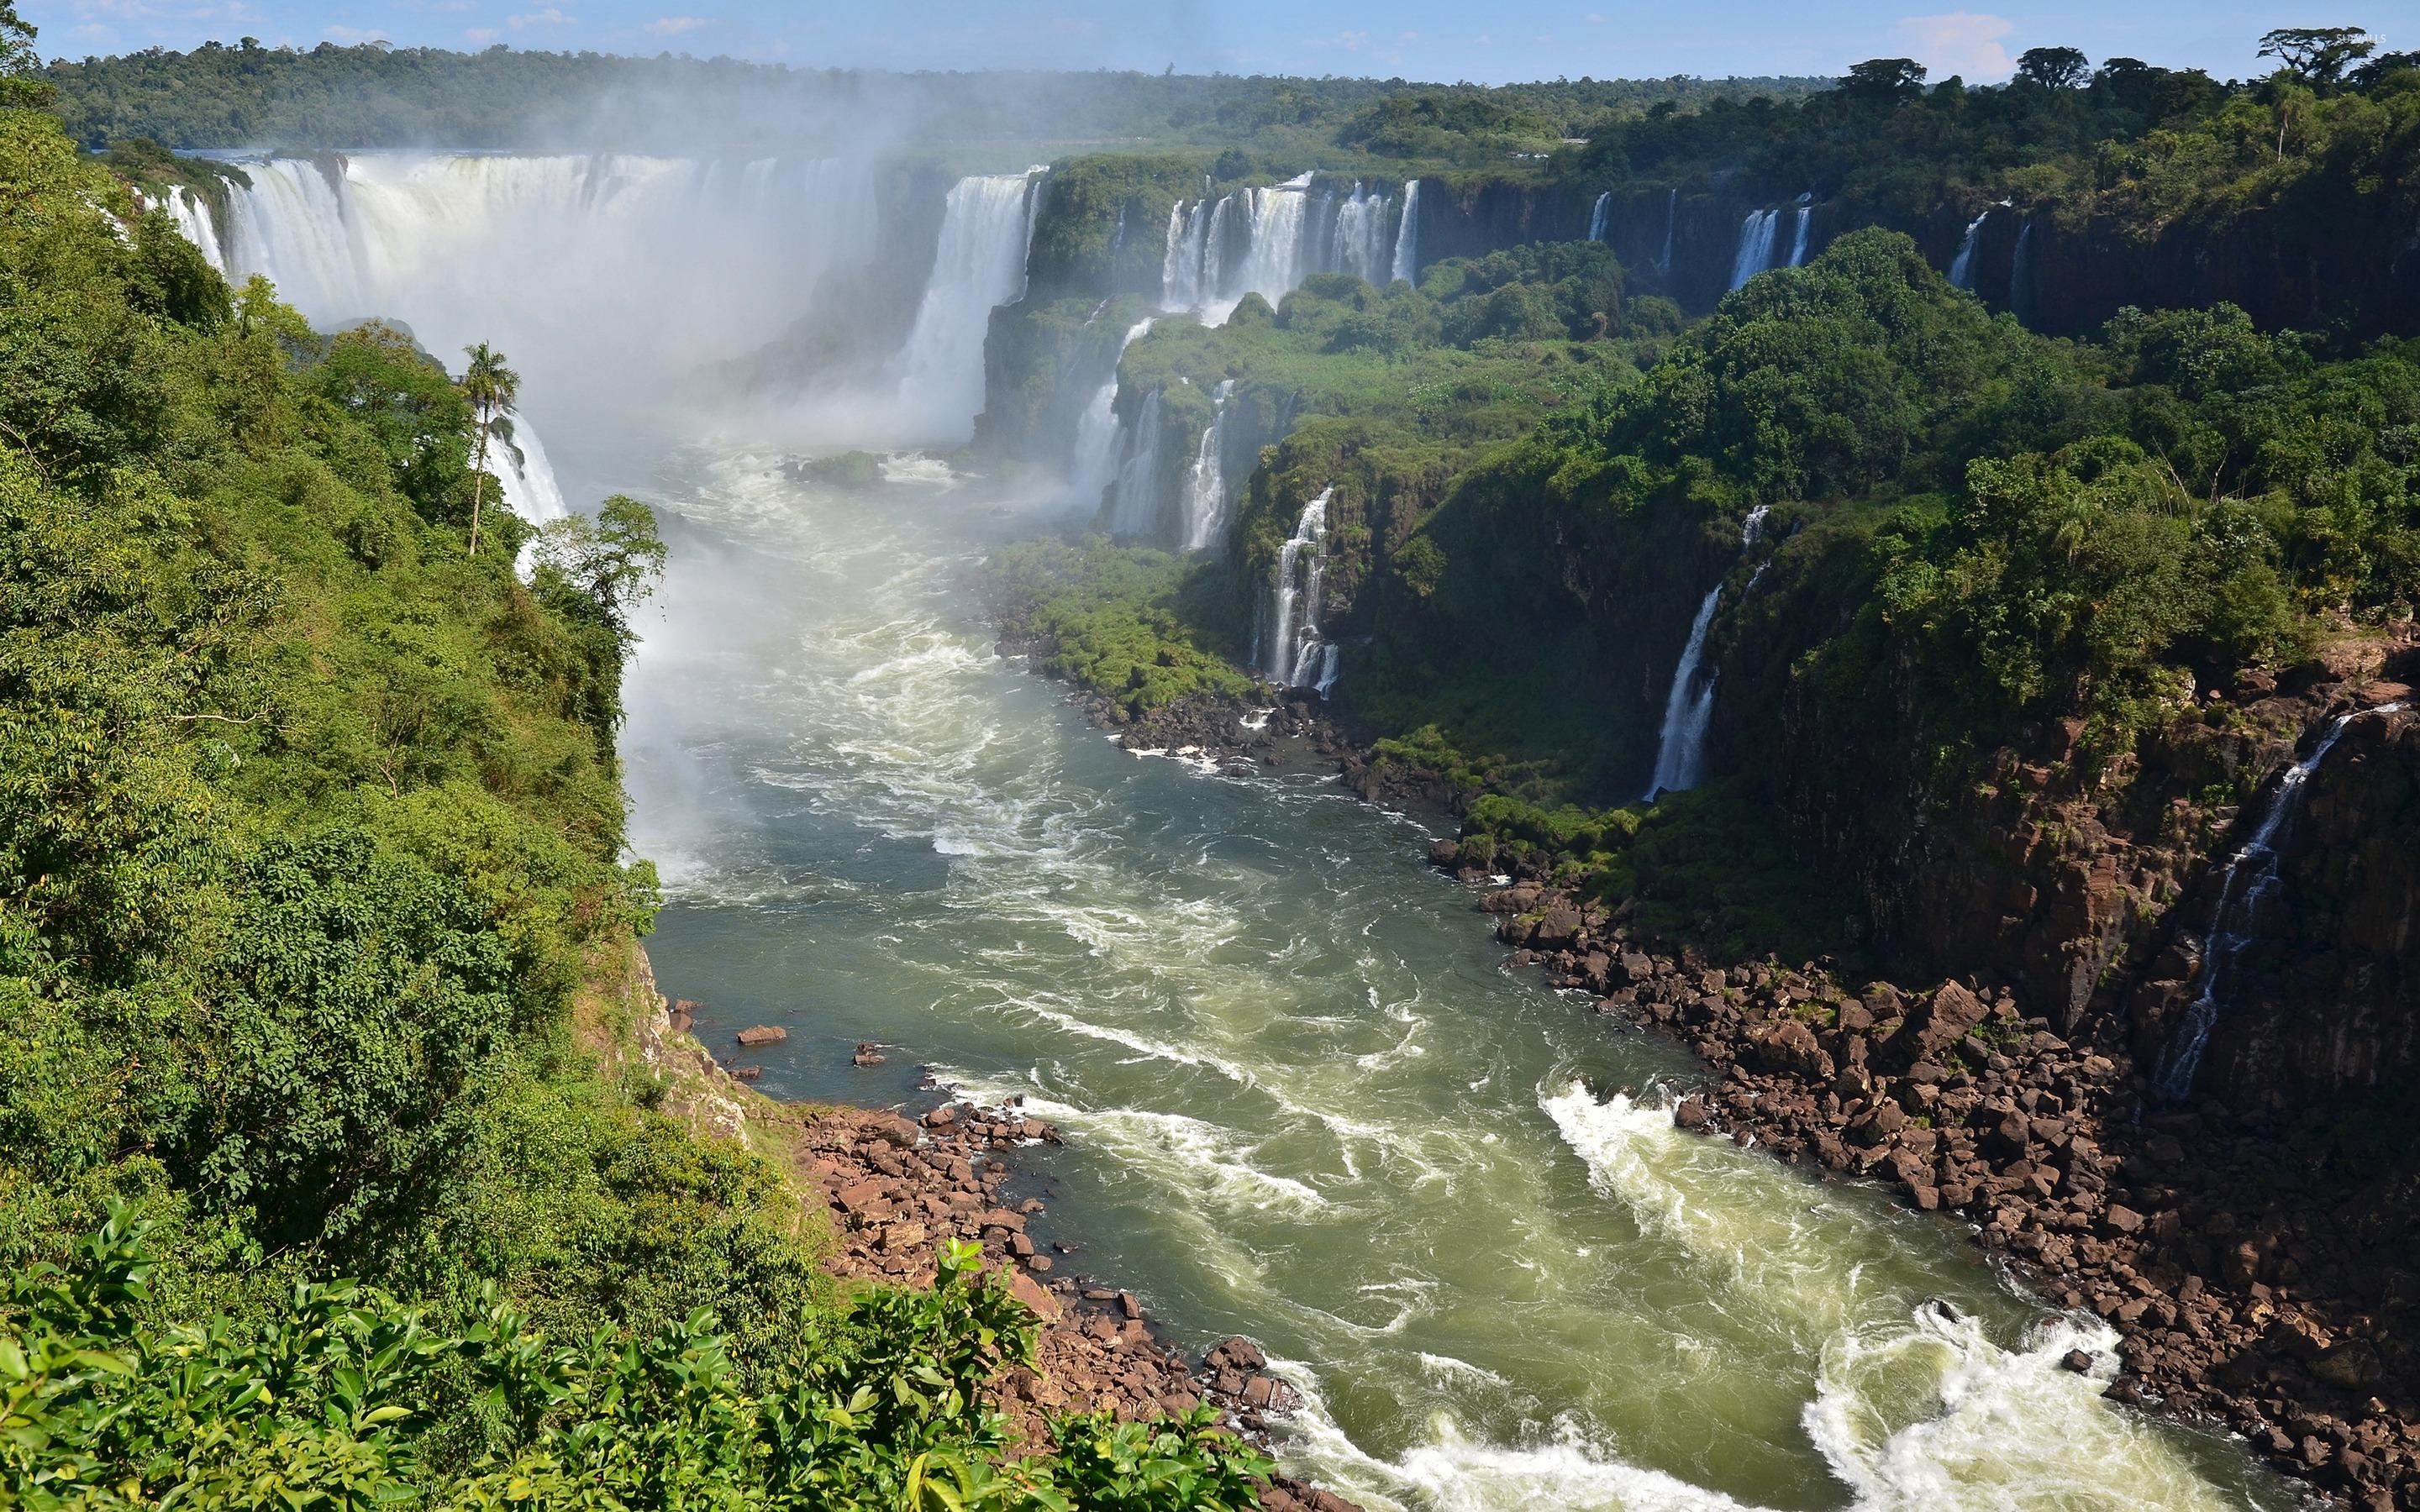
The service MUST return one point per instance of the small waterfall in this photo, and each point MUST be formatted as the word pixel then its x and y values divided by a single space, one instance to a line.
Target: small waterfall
pixel 1755 253
pixel 1180 267
pixel 1798 236
pixel 1096 432
pixel 527 480
pixel 2236 913
pixel 1357 244
pixel 1134 499
pixel 1206 489
pixel 979 265
pixel 1672 223
pixel 195 224
pixel 1408 237
pixel 1296 656
pixel 1961 268
pixel 1598 216
pixel 2021 271
pixel 1281 242
pixel 1689 709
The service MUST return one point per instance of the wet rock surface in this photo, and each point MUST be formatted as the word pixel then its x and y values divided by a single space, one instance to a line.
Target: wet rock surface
pixel 2237 1253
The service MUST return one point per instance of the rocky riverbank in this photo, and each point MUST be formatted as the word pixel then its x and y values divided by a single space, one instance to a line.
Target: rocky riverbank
pixel 896 1188
pixel 2226 1249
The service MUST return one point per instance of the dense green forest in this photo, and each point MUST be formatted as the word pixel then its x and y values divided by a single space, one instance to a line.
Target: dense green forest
pixel 246 95
pixel 317 944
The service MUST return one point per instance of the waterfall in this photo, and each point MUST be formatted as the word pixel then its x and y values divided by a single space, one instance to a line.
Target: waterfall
pixel 1671 222
pixel 980 265
pixel 1134 500
pixel 596 273
pixel 1798 236
pixel 2238 910
pixel 527 480
pixel 2021 272
pixel 1755 253
pixel 1689 709
pixel 1283 242
pixel 1961 268
pixel 1408 237
pixel 1180 268
pixel 1206 489
pixel 1598 215
pixel 1358 242
pixel 1096 431
pixel 1296 654
pixel 195 224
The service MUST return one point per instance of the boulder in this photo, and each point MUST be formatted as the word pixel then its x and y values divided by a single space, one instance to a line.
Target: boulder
pixel 1938 1023
pixel 1557 929
pixel 1034 1294
pixel 763 1034
pixel 1789 1046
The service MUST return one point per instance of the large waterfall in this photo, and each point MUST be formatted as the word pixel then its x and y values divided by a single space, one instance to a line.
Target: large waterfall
pixel 2236 914
pixel 1408 237
pixel 1297 657
pixel 195 220
pixel 1267 240
pixel 979 264
pixel 1689 708
pixel 1961 268
pixel 1205 490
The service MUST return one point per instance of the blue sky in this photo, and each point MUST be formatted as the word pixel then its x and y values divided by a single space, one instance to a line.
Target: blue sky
pixel 1417 39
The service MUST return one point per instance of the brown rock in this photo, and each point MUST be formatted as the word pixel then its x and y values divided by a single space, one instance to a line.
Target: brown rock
pixel 763 1034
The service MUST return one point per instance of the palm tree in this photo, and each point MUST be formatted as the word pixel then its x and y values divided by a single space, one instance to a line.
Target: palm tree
pixel 491 388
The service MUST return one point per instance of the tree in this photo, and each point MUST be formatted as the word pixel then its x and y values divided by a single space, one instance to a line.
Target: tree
pixel 491 388
pixel 20 89
pixel 614 559
pixel 2318 55
pixel 2053 67
pixel 1884 78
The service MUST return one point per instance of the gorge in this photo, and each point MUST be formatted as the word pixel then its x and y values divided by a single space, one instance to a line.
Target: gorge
pixel 2038 882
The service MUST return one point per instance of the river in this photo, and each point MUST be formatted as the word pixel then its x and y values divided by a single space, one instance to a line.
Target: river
pixel 1303 1100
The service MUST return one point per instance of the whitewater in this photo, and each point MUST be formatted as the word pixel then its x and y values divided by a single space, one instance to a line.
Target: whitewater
pixel 1302 1097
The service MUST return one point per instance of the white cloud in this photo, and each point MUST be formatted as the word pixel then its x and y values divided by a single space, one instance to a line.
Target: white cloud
pixel 1961 43
pixel 674 25
pixel 551 16
pixel 481 34
pixel 349 34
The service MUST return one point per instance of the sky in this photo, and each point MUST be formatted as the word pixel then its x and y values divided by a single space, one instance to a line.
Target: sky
pixel 1427 39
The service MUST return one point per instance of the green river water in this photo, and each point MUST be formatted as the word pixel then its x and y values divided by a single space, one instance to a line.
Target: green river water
pixel 1303 1100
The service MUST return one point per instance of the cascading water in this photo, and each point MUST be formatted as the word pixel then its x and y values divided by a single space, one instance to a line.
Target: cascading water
pixel 1961 268
pixel 1671 223
pixel 1755 253
pixel 1598 215
pixel 1096 431
pixel 1408 237
pixel 2236 913
pixel 1205 490
pixel 1294 650
pixel 526 477
pixel 980 265
pixel 2021 272
pixel 523 250
pixel 1689 708
pixel 1798 236
pixel 1133 497
pixel 196 222
pixel 1358 245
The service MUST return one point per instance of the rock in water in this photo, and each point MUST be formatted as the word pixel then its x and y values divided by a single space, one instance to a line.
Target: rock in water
pixel 763 1034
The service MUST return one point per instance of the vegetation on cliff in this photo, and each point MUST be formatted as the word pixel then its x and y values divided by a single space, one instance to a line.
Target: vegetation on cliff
pixel 315 935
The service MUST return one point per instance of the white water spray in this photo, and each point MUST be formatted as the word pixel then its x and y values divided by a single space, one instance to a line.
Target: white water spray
pixel 1205 490
pixel 2237 914
pixel 1689 708
pixel 1096 430
pixel 980 265
pixel 1134 499
pixel 1961 268
pixel 1294 644
pixel 1408 237
pixel 1755 253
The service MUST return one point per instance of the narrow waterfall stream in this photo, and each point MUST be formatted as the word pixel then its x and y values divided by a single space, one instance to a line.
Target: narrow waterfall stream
pixel 1302 1097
